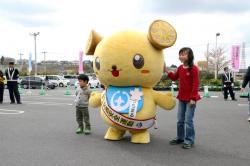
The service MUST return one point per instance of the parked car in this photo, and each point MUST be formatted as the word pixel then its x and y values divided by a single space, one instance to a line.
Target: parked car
pixel 35 82
pixel 72 79
pixel 58 80
pixel 93 82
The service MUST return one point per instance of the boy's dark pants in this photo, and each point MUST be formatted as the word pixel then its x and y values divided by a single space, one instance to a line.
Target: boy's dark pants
pixel 82 114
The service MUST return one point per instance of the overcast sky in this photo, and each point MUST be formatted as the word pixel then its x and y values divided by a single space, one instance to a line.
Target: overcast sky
pixel 64 25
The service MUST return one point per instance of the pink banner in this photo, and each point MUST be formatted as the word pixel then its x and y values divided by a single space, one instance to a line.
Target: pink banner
pixel 80 71
pixel 235 57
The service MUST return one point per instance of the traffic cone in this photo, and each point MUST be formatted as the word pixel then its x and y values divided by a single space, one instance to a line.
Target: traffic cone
pixel 42 91
pixel 206 92
pixel 20 89
pixel 67 92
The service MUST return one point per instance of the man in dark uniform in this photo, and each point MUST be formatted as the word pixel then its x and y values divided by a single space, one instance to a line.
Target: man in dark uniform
pixel 228 83
pixel 12 75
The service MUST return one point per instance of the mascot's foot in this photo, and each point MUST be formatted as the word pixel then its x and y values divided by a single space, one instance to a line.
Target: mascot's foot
pixel 140 137
pixel 114 134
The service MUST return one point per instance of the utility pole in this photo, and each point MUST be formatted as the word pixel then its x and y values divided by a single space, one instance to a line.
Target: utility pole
pixel 21 62
pixel 44 62
pixel 35 35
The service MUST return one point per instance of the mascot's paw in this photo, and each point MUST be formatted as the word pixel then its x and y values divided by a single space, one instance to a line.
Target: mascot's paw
pixel 140 137
pixel 170 100
pixel 95 99
pixel 114 134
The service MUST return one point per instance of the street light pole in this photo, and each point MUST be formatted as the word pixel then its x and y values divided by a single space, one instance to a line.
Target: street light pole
pixel 44 55
pixel 35 35
pixel 216 57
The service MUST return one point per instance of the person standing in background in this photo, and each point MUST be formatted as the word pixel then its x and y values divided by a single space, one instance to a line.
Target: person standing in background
pixel 1 86
pixel 244 84
pixel 228 83
pixel 12 75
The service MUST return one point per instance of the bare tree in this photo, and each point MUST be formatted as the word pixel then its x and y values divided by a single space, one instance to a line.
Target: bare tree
pixel 217 60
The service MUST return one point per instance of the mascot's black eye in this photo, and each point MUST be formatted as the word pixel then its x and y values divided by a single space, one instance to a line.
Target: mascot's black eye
pixel 138 61
pixel 97 63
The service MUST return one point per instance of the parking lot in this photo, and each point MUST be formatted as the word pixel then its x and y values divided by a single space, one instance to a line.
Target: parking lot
pixel 41 132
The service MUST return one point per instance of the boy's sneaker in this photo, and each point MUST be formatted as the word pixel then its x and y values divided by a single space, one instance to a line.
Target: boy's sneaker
pixel 87 131
pixel 176 142
pixel 79 130
pixel 248 119
pixel 187 146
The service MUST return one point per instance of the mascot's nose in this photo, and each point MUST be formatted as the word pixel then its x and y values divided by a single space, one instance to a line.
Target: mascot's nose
pixel 114 67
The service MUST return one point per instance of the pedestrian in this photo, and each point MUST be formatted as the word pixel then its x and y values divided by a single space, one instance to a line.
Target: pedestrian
pixel 1 86
pixel 12 75
pixel 46 82
pixel 243 86
pixel 82 102
pixel 188 76
pixel 228 83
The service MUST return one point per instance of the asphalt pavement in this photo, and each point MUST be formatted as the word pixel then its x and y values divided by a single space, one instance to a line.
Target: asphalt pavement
pixel 41 132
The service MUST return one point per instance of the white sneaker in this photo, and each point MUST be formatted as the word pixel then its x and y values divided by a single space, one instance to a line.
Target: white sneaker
pixel 248 119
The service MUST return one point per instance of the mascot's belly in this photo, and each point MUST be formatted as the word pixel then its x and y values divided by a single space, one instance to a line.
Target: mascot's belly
pixel 145 112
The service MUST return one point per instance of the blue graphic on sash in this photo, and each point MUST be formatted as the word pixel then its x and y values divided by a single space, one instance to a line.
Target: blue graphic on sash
pixel 118 98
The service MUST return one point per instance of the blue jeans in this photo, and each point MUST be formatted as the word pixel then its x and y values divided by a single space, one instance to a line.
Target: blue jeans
pixel 185 125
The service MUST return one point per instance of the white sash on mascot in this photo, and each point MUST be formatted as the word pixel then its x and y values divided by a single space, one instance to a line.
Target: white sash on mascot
pixel 123 121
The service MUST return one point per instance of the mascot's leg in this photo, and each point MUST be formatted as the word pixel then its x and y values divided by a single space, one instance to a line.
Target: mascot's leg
pixel 114 134
pixel 140 137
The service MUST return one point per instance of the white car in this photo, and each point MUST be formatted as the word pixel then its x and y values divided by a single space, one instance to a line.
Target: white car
pixel 72 79
pixel 58 80
pixel 93 83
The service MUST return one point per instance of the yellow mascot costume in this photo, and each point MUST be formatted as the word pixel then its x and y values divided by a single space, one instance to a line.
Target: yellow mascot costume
pixel 129 64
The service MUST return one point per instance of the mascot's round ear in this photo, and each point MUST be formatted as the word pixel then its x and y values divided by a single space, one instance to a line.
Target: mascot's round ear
pixel 161 34
pixel 93 40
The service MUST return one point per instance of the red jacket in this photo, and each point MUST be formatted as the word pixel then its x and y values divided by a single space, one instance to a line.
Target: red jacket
pixel 188 83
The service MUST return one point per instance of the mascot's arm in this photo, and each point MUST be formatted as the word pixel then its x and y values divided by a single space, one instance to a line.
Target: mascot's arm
pixel 164 100
pixel 95 99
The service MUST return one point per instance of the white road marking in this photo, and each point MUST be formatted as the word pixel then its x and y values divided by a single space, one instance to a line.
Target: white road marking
pixel 243 105
pixel 53 98
pixel 10 112
pixel 46 103
pixel 210 97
